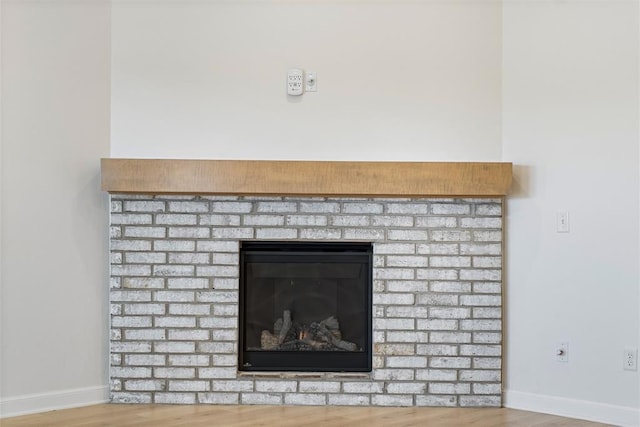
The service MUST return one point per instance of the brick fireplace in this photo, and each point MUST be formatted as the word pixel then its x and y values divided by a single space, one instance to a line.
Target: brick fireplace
pixel 437 306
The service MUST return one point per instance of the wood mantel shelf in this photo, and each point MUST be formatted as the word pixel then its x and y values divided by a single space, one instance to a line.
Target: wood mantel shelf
pixel 306 178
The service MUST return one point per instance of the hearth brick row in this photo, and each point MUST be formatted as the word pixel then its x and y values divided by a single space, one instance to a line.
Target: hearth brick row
pixel 437 299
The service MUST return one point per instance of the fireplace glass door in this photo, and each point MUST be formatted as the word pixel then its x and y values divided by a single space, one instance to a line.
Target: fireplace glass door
pixel 305 306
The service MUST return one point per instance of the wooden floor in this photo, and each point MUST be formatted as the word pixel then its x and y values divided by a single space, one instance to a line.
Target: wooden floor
pixel 284 416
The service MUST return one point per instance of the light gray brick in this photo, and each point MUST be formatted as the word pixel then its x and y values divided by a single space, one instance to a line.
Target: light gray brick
pixel 188 207
pixel 436 374
pixel 449 388
pixel 261 399
pixel 481 275
pixel 406 362
pixel 489 210
pixel 436 222
pixel 217 271
pixel 436 400
pixel 143 282
pixel 450 363
pixel 232 385
pixel 396 324
pixel 438 248
pixel 319 386
pixel 181 373
pixel 187 283
pixel 487 312
pixel 144 334
pixel 173 270
pixel 480 401
pixel 394 273
pixel 174 347
pixel 217 373
pixel 144 385
pixel 436 274
pixel 449 313
pixel 394 299
pixel 220 220
pixel 437 349
pixel 176 219
pixel 406 388
pixel 407 336
pixel 487 262
pixel 219 398
pixel 450 337
pixel 223 246
pixel 232 233
pixel 481 325
pixel 320 234
pixel 391 400
pixel 487 363
pixel 131 219
pixel 480 249
pixel 115 206
pixel 407 311
pixel 182 385
pixel 130 372
pixel 269 386
pixel 141 232
pixel 219 322
pixel 438 299
pixel 174 296
pixel 480 375
pixel 175 398
pixel 437 324
pixel 487 236
pixel 362 208
pixel 394 248
pixel 130 296
pixel 277 207
pixel 480 350
pixel 349 221
pixel 189 258
pixel 306 220
pixel 319 207
pixel 217 347
pixel 486 388
pixel 189 232
pixel 123 397
pixel 189 360
pixel 264 220
pixel 450 236
pixel 363 234
pixel 174 245
pixel 131 321
pixel 487 288
pixel 218 296
pixel 189 335
pixel 130 270
pixel 130 347
pixel 392 221
pixel 450 209
pixel 145 360
pixel 145 257
pixel 365 387
pixel 408 208
pixel 115 233
pixel 305 399
pixel 224 360
pixel 450 287
pixel 225 310
pixel 349 400
pixel 144 206
pixel 226 259
pixel 231 207
pixel 276 233
pixel 481 222
pixel 175 322
pixel 130 245
pixel 407 261
pixel 409 235
pixel 449 261
pixel 393 374
pixel 190 309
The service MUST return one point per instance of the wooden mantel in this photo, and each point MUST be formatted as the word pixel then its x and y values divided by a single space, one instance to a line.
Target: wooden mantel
pixel 306 178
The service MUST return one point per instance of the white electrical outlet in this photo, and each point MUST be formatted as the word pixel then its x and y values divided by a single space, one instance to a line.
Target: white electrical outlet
pixel 562 352
pixel 311 81
pixel 630 359
pixel 562 222
pixel 295 85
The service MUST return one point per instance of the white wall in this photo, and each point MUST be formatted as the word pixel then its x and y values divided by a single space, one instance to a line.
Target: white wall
pixel 398 80
pixel 571 125
pixel 55 116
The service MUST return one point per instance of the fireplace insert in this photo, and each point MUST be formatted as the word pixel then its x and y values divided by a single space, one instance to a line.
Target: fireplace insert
pixel 305 306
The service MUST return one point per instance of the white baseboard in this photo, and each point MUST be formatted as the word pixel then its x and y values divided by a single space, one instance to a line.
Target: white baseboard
pixel 42 402
pixel 571 408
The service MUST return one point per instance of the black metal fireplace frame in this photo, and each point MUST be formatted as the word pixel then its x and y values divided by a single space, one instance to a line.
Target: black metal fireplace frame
pixel 306 361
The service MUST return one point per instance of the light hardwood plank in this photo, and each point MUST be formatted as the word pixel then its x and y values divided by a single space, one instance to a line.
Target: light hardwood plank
pixel 306 178
pixel 286 416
